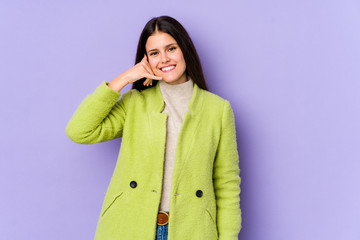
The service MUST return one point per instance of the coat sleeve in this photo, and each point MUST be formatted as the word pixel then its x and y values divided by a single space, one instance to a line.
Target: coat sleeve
pixel 100 116
pixel 227 180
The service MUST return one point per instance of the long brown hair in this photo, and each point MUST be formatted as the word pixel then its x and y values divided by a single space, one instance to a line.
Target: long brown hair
pixel 171 26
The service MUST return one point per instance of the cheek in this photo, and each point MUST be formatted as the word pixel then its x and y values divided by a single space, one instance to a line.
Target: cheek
pixel 153 64
pixel 180 59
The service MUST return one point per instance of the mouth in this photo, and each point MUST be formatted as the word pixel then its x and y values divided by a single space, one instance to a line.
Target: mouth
pixel 168 68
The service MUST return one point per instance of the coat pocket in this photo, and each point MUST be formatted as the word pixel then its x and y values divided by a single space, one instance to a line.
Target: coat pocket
pixel 213 221
pixel 116 198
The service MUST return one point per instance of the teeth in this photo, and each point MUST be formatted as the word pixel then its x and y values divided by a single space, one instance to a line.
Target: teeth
pixel 167 68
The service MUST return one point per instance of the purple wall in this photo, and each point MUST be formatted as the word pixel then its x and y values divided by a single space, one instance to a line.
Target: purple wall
pixel 290 69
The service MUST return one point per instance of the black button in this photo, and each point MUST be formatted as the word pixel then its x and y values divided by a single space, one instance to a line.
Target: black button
pixel 199 193
pixel 133 184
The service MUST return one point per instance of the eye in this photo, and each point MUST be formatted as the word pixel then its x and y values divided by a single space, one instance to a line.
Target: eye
pixel 153 53
pixel 172 48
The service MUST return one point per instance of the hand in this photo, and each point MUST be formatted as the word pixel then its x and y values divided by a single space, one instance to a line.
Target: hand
pixel 139 71
pixel 142 70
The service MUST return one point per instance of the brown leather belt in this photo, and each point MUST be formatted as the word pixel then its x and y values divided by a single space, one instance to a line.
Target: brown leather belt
pixel 163 218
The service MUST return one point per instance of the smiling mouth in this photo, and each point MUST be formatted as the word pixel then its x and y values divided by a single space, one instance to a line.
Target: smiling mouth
pixel 167 69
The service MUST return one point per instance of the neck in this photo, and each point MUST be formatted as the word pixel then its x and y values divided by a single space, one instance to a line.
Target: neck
pixel 181 80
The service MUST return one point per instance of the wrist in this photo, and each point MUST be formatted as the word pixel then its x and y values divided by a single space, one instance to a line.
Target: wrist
pixel 118 83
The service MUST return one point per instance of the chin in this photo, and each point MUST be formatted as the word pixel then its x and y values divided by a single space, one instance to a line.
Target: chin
pixel 169 80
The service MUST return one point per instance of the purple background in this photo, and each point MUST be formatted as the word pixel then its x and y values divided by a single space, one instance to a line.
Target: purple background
pixel 291 70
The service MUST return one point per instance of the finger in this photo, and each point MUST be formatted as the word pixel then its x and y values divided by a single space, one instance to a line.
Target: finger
pixel 146 81
pixel 144 59
pixel 148 69
pixel 149 82
pixel 152 76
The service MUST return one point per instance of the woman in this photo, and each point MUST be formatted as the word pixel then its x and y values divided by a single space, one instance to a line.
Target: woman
pixel 177 174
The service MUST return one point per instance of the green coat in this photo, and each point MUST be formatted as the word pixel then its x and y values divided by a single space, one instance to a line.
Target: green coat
pixel 204 202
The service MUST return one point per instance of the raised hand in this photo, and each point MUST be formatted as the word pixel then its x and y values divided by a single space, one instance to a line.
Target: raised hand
pixel 138 71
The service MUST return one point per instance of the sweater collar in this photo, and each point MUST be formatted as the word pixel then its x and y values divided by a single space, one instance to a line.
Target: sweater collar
pixel 177 89
pixel 195 103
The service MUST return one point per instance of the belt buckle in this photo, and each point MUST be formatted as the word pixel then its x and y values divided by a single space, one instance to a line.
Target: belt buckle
pixel 163 218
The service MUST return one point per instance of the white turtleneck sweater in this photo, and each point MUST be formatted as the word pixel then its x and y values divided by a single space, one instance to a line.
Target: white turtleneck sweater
pixel 177 98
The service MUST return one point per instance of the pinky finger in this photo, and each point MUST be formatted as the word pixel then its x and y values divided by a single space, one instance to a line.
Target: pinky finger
pixel 153 77
pixel 146 82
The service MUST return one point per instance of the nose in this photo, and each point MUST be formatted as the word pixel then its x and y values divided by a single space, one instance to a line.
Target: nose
pixel 164 58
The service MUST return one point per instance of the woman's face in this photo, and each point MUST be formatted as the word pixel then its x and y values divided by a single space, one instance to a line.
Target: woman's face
pixel 165 58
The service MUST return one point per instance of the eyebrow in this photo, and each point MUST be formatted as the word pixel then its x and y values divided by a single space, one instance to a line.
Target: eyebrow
pixel 165 47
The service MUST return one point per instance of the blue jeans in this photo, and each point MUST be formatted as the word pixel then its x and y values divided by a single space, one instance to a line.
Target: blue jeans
pixel 161 232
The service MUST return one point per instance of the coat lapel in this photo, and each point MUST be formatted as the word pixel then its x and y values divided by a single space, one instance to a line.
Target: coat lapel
pixel 186 140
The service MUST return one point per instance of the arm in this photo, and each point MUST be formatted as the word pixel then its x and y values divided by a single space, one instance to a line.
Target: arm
pixel 227 180
pixel 100 117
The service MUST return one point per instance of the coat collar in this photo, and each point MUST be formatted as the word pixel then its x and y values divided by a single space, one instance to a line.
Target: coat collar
pixel 157 127
pixel 195 104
